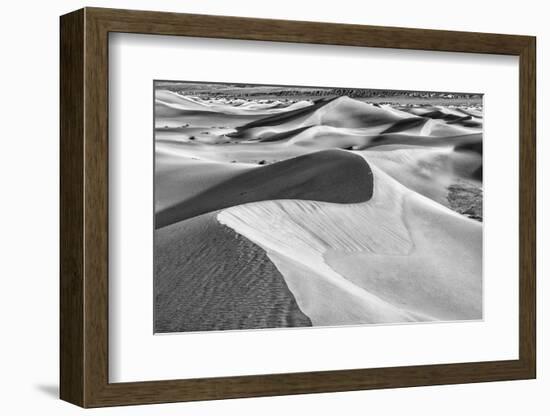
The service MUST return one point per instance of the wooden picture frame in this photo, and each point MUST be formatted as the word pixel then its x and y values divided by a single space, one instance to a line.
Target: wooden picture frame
pixel 84 207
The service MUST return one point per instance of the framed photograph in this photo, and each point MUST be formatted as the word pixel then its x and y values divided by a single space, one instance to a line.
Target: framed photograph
pixel 257 207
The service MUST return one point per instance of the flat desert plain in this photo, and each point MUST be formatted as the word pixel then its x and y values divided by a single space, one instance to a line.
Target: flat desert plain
pixel 283 207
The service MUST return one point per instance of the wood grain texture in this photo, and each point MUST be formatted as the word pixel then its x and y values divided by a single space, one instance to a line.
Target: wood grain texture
pixel 84 207
pixel 72 215
pixel 528 207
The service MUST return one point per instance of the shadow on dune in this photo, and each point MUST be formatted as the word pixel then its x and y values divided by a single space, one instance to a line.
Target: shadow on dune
pixel 465 121
pixel 465 142
pixel 478 174
pixel 335 112
pixel 281 117
pixel 440 115
pixel 405 124
pixel 329 175
pixel 284 135
pixel 475 146
pixel 207 277
pixel 470 113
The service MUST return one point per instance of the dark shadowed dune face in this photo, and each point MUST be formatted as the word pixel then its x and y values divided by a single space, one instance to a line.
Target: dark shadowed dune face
pixel 244 131
pixel 405 124
pixel 286 116
pixel 330 176
pixel 478 174
pixel 465 142
pixel 440 115
pixel 285 135
pixel 471 124
pixel 340 112
pixel 207 277
pixel 474 146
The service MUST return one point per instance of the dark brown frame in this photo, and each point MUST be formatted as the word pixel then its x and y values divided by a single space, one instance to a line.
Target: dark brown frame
pixel 84 210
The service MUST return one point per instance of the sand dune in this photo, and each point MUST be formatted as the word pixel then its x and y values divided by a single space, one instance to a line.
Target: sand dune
pixel 309 139
pixel 231 152
pixel 427 170
pixel 179 102
pixel 169 117
pixel 425 154
pixel 178 178
pixel 329 175
pixel 405 139
pixel 348 113
pixel 335 112
pixel 341 122
pixel 446 113
pixel 426 163
pixel 330 137
pixel 207 277
pixel 298 212
pixel 378 261
pixel 174 111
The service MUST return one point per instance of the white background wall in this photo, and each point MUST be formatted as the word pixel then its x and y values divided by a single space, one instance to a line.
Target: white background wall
pixel 29 209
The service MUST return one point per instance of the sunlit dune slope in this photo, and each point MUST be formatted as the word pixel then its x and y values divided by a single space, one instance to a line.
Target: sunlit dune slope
pixel 427 170
pixel 327 137
pixel 329 175
pixel 335 112
pixel 398 257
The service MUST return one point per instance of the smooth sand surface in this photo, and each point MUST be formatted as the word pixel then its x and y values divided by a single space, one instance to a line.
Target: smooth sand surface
pixel 427 170
pixel 399 257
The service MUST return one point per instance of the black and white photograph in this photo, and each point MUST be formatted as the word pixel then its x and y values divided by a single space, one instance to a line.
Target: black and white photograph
pixel 275 208
pixel 288 206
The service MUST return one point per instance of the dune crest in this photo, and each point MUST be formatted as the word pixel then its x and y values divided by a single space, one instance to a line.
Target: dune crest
pixel 335 257
pixel 428 170
pixel 328 175
pixel 335 112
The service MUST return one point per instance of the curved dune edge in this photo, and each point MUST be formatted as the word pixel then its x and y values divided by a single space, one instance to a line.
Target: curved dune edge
pixel 429 171
pixel 350 114
pixel 329 175
pixel 335 112
pixel 207 277
pixel 351 264
pixel 179 178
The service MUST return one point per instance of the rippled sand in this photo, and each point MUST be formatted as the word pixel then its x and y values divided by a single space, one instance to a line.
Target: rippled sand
pixel 207 277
